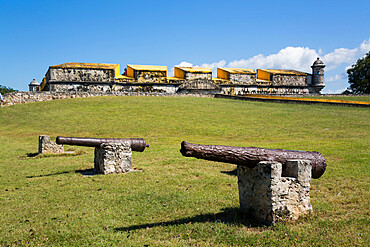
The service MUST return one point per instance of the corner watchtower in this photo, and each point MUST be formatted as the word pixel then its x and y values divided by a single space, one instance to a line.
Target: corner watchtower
pixel 318 73
pixel 34 86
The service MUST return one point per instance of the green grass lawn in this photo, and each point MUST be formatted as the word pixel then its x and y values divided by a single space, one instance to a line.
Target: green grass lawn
pixel 171 200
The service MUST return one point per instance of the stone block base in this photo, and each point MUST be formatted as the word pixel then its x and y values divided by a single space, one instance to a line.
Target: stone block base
pixel 47 146
pixel 269 193
pixel 113 158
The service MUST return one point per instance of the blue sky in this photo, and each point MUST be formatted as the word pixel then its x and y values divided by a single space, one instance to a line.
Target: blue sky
pixel 251 34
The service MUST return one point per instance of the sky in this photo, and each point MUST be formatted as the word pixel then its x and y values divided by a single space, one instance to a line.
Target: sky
pixel 284 34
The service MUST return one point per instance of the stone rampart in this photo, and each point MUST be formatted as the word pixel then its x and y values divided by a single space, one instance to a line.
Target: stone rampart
pixel 243 79
pixel 290 80
pixel 150 76
pixel 29 97
pixel 80 75
pixel 193 75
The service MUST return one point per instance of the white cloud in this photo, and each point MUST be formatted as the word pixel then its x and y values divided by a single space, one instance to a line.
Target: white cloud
pixel 336 77
pixel 365 46
pixel 219 64
pixel 185 64
pixel 214 66
pixel 346 56
pixel 337 91
pixel 299 58
pixel 340 56
pixel 182 64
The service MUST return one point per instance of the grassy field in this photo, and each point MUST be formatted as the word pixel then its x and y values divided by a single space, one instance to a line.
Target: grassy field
pixel 171 200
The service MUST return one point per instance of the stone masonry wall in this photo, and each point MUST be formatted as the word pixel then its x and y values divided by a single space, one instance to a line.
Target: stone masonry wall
pixel 113 158
pixel 150 76
pixel 270 194
pixel 48 146
pixel 289 80
pixel 80 75
pixel 243 79
pixel 80 88
pixel 29 97
pixel 190 76
pixel 155 90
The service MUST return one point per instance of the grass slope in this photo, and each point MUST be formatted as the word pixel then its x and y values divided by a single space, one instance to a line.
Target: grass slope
pixel 172 200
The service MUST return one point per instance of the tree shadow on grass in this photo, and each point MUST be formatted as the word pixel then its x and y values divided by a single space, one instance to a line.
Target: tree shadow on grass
pixel 232 216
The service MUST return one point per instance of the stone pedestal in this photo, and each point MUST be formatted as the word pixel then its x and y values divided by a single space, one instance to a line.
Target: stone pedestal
pixel 47 146
pixel 113 158
pixel 269 193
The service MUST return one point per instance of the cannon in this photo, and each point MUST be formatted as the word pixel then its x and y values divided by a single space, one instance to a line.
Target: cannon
pixel 251 156
pixel 137 144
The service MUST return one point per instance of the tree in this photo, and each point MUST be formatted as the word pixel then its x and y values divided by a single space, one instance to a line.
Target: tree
pixel 359 76
pixel 4 90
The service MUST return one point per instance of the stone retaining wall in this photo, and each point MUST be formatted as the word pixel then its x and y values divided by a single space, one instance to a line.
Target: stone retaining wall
pixel 29 97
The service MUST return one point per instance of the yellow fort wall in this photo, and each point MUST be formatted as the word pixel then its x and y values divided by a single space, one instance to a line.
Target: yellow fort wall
pixel 130 71
pixel 263 75
pixel 179 73
pixel 222 74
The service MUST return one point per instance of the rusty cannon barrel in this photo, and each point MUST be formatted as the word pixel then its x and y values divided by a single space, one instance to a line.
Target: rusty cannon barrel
pixel 137 144
pixel 251 156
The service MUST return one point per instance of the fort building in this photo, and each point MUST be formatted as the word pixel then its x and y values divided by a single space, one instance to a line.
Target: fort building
pixel 101 77
pixel 147 73
pixel 237 76
pixel 283 77
pixel 190 73
pixel 79 76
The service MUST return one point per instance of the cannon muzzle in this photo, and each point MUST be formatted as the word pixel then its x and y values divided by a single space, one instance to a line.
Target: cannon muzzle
pixel 251 156
pixel 137 144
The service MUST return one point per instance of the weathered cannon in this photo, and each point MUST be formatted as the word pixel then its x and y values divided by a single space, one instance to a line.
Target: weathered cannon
pixel 137 144
pixel 251 156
